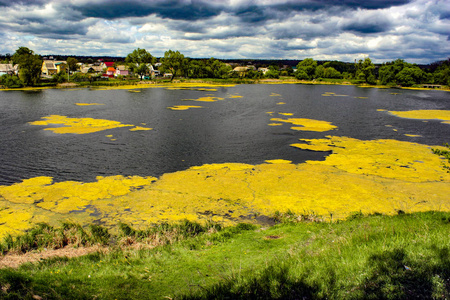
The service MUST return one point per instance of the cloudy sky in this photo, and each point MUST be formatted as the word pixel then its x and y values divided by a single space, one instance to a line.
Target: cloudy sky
pixel 415 30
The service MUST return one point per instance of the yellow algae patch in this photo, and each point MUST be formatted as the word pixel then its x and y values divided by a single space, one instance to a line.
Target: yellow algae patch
pixel 361 97
pixel 308 146
pixel 353 178
pixel 413 135
pixel 393 159
pixel 334 95
pixel 307 124
pixel 77 125
pixel 380 109
pixel 286 114
pixel 192 89
pixel 205 99
pixel 179 85
pixel 88 104
pixel 275 95
pixel 134 91
pixel 278 161
pixel 275 124
pixel 183 107
pixel 140 128
pixel 281 103
pixel 39 200
pixel 443 115
pixel 109 135
pixel 64 197
pixel 235 96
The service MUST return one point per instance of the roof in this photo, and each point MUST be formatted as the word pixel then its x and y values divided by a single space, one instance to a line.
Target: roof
pixel 240 69
pixel 109 63
pixel 49 64
pixel 6 68
pixel 110 69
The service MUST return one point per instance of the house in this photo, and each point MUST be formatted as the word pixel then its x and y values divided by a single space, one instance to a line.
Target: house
pixel 8 69
pixel 263 70
pixel 107 64
pixel 91 69
pixel 53 67
pixel 121 71
pixel 242 71
pixel 110 72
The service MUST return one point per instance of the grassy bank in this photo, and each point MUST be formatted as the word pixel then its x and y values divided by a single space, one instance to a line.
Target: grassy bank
pixel 365 257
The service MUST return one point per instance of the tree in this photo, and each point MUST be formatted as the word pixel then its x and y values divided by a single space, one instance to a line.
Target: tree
pixel 72 63
pixel 319 73
pixel 364 71
pixel 272 73
pixel 442 75
pixel 175 63
pixel 331 72
pixel 10 81
pixel 399 72
pixel 60 77
pixel 301 74
pixel 197 69
pixel 139 60
pixel 410 76
pixel 308 66
pixel 389 70
pixel 29 65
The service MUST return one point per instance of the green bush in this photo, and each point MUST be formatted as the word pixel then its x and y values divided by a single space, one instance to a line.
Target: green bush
pixel 11 81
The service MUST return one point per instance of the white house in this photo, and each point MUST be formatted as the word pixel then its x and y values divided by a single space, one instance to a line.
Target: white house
pixel 8 69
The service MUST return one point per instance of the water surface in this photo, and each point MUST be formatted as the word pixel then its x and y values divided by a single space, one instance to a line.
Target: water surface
pixel 234 129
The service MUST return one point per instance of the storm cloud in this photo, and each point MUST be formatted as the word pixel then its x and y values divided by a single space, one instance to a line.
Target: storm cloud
pixel 414 30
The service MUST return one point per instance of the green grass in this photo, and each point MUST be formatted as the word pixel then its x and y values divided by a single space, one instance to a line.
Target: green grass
pixel 365 257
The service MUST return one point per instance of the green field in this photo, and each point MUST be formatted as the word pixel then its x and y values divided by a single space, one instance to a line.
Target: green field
pixel 365 257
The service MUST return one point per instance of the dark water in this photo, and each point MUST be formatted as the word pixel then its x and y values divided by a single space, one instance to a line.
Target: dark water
pixel 231 130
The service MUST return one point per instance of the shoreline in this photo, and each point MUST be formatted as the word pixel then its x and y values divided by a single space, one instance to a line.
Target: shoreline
pixel 212 82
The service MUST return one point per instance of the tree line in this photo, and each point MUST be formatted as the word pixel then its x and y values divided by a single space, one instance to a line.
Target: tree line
pixel 140 62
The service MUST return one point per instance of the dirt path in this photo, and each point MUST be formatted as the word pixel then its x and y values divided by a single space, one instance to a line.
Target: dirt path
pixel 15 260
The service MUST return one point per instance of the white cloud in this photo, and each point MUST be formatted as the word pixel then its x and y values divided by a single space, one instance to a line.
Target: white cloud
pixel 417 31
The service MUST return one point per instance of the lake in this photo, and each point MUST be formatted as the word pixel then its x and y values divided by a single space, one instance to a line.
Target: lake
pixel 227 154
pixel 234 129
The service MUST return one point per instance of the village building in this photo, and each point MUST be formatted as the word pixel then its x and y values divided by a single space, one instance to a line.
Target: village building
pixel 242 71
pixel 91 69
pixel 263 70
pixel 121 71
pixel 53 67
pixel 110 71
pixel 8 69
